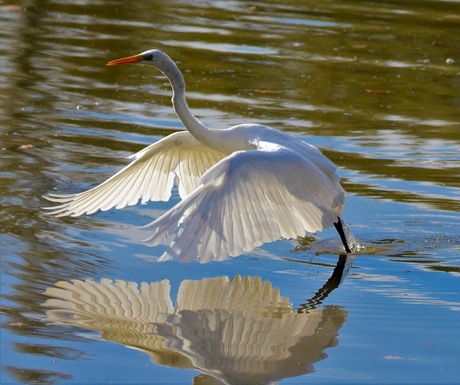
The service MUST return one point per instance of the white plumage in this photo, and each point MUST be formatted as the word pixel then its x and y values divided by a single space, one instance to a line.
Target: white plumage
pixel 149 177
pixel 240 187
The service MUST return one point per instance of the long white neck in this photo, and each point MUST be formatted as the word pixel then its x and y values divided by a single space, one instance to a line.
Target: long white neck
pixel 207 136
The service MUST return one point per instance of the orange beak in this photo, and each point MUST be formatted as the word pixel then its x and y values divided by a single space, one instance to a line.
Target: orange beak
pixel 125 60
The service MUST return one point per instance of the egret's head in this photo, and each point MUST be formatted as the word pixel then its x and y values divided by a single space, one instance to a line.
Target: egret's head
pixel 150 57
pixel 159 60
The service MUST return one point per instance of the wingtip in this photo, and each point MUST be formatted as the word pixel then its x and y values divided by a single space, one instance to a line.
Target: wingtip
pixel 60 198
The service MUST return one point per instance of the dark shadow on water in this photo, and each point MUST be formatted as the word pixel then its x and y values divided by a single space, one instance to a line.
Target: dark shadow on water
pixel 340 272
pixel 36 376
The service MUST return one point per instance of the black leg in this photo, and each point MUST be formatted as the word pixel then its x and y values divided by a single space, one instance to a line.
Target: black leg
pixel 339 227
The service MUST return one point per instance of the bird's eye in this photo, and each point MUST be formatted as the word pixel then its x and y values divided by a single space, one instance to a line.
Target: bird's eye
pixel 148 56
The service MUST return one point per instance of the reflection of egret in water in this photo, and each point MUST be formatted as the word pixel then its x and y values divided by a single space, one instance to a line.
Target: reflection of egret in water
pixel 234 331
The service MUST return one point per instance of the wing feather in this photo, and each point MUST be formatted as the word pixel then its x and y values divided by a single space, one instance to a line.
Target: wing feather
pixel 150 176
pixel 249 198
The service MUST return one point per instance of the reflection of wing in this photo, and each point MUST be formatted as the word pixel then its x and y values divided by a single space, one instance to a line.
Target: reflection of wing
pixel 248 348
pixel 122 311
pixel 145 304
pixel 238 294
pixel 238 331
pixel 149 177
pixel 247 199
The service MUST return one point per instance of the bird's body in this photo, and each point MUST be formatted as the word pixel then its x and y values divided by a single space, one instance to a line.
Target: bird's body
pixel 240 187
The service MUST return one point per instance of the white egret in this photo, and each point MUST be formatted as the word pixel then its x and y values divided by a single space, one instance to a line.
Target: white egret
pixel 240 187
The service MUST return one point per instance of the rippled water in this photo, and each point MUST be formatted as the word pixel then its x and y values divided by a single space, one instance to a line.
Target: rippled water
pixel 375 85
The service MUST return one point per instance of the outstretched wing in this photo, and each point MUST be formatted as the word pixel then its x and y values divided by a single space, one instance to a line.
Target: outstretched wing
pixel 247 199
pixel 149 177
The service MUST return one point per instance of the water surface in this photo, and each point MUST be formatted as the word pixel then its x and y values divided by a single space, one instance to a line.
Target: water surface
pixel 375 85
